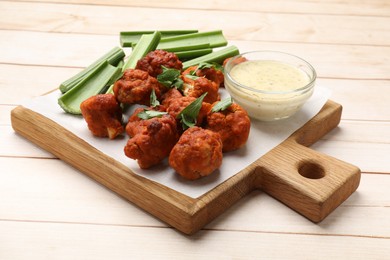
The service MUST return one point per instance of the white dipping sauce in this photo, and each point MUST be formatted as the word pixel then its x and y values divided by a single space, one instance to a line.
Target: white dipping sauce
pixel 274 83
pixel 269 75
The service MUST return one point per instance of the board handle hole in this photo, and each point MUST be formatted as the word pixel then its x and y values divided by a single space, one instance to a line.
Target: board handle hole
pixel 311 170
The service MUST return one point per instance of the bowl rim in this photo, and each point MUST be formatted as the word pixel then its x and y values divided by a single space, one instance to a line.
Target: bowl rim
pixel 239 85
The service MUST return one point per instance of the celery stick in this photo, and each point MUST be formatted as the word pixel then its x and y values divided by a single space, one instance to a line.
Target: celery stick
pixel 130 38
pixel 217 56
pixel 110 90
pixel 110 85
pixel 214 38
pixel 191 54
pixel 118 74
pixel 188 47
pixel 146 44
pixel 113 57
pixel 89 86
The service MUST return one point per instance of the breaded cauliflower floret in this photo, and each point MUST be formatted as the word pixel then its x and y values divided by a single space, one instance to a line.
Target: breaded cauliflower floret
pixel 103 115
pixel 135 87
pixel 198 153
pixel 232 124
pixel 154 60
pixel 178 104
pixel 197 87
pixel 151 140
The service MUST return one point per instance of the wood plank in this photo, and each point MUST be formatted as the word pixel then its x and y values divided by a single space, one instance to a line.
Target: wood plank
pixel 5 114
pixel 85 201
pixel 353 153
pixel 63 195
pixel 367 30
pixel 76 50
pixel 13 144
pixel 347 7
pixel 67 241
pixel 21 83
pixel 358 131
pixel 344 143
pixel 66 50
pixel 261 213
pixel 361 99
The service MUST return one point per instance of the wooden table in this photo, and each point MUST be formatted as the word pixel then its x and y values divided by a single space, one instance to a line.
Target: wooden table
pixel 48 210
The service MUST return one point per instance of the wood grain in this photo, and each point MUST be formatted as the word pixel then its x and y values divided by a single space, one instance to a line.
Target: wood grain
pixel 287 182
pixel 66 196
pixel 346 7
pixel 330 60
pixel 48 210
pixel 254 26
pixel 53 239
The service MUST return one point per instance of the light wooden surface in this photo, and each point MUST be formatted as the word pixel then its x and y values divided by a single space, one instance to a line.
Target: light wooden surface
pixel 48 210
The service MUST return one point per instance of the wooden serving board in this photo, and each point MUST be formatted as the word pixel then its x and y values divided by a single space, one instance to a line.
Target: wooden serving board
pixel 311 183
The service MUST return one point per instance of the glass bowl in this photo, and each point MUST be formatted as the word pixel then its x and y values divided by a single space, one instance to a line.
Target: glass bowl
pixel 269 85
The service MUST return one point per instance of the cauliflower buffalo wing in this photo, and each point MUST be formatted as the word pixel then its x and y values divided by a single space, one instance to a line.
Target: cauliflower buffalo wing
pixel 209 72
pixel 197 87
pixel 103 115
pixel 177 105
pixel 232 124
pixel 151 140
pixel 170 95
pixel 198 153
pixel 153 62
pixel 135 87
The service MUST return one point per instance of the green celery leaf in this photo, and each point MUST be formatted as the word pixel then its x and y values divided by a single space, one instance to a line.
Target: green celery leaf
pixel 204 65
pixel 178 84
pixel 222 105
pixel 189 114
pixel 187 121
pixel 148 114
pixel 153 99
pixel 170 77
pixel 193 77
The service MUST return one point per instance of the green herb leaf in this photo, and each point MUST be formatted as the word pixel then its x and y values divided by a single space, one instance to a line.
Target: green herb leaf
pixel 217 66
pixel 148 114
pixel 202 65
pixel 189 114
pixel 170 78
pixel 187 121
pixel 205 65
pixel 222 105
pixel 193 77
pixel 153 99
pixel 178 84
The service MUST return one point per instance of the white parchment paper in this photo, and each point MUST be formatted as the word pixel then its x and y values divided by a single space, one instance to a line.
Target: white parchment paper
pixel 262 138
